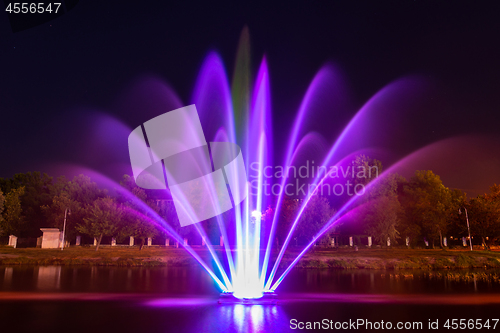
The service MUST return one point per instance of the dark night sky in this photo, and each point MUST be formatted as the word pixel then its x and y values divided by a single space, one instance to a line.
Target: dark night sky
pixel 81 62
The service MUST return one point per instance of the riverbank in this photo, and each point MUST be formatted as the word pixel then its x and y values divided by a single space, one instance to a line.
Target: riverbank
pixel 398 259
pixel 106 256
pixel 389 259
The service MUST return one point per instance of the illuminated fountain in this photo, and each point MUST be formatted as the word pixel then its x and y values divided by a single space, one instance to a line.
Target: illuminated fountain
pixel 242 115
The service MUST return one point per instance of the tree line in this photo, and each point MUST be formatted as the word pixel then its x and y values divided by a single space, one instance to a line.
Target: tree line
pixel 420 208
pixel 32 200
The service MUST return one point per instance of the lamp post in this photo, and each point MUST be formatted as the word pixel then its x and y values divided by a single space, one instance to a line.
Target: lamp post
pixel 66 213
pixel 468 227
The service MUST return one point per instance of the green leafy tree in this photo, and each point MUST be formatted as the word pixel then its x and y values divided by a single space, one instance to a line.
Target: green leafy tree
pixel 376 211
pixel 379 209
pixel 82 189
pixel 13 221
pixel 428 204
pixel 408 226
pixel 76 195
pixel 484 216
pixel 56 211
pixel 458 225
pixel 361 171
pixel 382 218
pixel 136 222
pixel 366 169
pixel 169 215
pixel 314 218
pixel 288 212
pixel 356 175
pixel 104 219
pixel 37 188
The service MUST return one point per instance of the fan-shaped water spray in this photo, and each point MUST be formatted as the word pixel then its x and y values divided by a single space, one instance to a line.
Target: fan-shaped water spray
pixel 249 261
pixel 243 115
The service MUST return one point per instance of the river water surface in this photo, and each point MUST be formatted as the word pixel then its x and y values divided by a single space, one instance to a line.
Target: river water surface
pixel 184 299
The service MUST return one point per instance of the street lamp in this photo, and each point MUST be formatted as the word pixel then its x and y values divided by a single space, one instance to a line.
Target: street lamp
pixel 468 227
pixel 66 213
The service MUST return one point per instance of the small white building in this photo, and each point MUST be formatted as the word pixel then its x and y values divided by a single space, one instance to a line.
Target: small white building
pixel 51 238
pixel 13 241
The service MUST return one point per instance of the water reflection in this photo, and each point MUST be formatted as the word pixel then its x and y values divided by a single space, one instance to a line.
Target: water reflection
pixel 391 282
pixel 242 318
pixel 7 276
pixel 184 299
pixel 214 317
pixel 48 278
pixel 192 281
